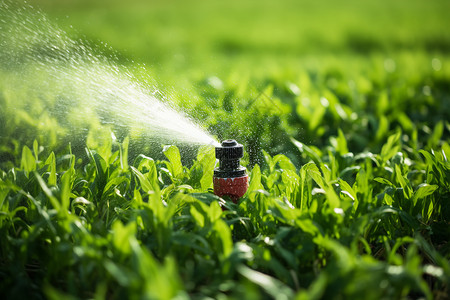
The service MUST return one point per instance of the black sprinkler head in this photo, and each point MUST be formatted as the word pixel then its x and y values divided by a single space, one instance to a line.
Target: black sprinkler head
pixel 229 155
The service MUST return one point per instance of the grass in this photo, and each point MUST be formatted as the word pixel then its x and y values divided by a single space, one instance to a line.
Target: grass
pixel 343 112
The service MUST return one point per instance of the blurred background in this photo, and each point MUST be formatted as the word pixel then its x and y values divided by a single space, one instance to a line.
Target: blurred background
pixel 216 37
pixel 265 71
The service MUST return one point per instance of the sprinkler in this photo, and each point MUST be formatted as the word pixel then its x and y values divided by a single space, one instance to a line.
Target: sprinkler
pixel 230 178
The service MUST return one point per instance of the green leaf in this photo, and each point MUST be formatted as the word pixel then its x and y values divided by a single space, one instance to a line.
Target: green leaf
pixel 284 162
pixel 423 191
pixel 332 197
pixel 199 216
pixel 291 182
pixel 341 143
pixel 80 202
pixel 145 183
pixel 382 103
pixel 307 150
pixel 28 162
pixel 148 165
pixel 207 159
pixel 65 194
pixel 383 127
pixel 446 151
pixel 101 171
pixel 113 182
pixel 222 233
pixel 435 137
pixel 404 183
pixel 405 122
pixel 317 116
pixel 36 149
pixel 51 162
pixel 137 197
pixel 269 161
pixel 384 181
pixel 348 190
pixel 121 236
pixel 173 154
pixel 53 200
pixel 391 147
pixel 214 211
pixel 274 287
pixel 255 179
pixel 314 172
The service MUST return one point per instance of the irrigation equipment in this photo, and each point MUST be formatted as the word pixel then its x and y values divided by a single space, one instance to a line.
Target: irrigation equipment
pixel 230 178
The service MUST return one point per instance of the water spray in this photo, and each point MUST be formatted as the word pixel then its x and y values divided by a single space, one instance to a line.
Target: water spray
pixel 230 178
pixel 77 86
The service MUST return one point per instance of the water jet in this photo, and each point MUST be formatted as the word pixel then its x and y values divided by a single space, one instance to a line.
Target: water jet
pixel 68 88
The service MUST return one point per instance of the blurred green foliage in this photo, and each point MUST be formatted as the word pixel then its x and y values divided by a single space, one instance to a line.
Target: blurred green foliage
pixel 201 36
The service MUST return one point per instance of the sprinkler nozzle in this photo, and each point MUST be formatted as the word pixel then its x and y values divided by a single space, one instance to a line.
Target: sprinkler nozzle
pixel 230 178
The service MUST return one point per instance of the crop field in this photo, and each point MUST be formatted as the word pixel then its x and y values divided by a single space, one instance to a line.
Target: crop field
pixel 343 109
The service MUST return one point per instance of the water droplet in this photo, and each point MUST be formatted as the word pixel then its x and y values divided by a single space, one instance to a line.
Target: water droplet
pixel 436 64
pixel 324 101
pixel 389 65
pixel 293 88
pixel 426 90
pixel 215 82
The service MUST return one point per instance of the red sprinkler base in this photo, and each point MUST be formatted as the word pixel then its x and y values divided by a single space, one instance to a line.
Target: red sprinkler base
pixel 230 178
pixel 235 187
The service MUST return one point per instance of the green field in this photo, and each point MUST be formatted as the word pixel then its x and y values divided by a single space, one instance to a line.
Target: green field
pixel 343 109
